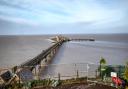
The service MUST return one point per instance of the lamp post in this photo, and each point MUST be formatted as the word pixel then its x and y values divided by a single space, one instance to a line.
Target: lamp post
pixel 87 71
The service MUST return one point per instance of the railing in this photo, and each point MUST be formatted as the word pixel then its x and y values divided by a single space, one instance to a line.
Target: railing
pixel 65 71
pixel 36 60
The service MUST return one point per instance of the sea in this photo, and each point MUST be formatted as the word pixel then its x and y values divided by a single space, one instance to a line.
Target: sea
pixel 16 49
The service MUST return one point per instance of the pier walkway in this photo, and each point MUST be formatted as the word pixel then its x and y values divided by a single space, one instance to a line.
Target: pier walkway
pixel 91 39
pixel 43 56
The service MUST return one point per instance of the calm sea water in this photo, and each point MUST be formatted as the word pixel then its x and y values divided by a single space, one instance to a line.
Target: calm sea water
pixel 14 50
pixel 90 52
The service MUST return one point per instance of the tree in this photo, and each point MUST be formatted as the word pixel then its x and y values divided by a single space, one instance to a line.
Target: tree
pixel 126 72
pixel 102 66
pixel 102 61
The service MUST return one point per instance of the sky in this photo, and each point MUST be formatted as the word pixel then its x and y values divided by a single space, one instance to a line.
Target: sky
pixel 26 17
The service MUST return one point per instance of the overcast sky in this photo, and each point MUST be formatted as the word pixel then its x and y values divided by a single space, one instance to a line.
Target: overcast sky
pixel 63 16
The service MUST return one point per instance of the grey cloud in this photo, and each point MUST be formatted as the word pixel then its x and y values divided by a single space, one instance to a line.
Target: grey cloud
pixel 9 4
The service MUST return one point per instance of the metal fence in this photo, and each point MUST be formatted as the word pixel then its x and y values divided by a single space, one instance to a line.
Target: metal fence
pixel 66 71
pixel 60 71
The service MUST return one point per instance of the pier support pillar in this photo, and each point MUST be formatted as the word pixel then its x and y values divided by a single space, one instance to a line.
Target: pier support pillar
pixel 36 71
